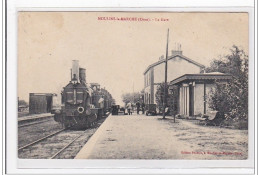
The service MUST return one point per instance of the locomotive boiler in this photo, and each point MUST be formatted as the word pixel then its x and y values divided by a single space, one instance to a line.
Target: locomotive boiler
pixel 76 101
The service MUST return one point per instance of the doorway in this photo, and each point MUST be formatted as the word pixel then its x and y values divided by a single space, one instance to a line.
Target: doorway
pixel 191 101
pixel 49 103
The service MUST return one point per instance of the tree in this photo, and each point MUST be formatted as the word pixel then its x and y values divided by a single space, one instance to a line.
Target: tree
pixel 159 95
pixel 131 97
pixel 172 97
pixel 231 99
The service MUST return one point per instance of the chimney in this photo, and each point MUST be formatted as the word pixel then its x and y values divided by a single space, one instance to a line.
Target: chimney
pixel 161 57
pixel 177 50
pixel 75 70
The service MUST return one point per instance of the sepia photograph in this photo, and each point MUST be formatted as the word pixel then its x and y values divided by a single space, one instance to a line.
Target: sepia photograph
pixel 133 85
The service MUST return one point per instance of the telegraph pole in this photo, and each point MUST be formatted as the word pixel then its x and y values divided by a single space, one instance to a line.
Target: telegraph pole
pixel 165 80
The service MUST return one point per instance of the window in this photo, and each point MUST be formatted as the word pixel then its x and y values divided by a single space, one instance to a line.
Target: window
pixel 69 96
pixel 148 79
pixel 145 81
pixel 146 84
pixel 79 96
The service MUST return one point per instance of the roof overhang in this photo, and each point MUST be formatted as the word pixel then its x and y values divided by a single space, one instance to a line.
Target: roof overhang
pixel 171 57
pixel 188 77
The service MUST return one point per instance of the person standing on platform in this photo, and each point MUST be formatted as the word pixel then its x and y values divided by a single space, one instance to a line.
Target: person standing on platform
pixel 143 107
pixel 129 106
pixel 138 105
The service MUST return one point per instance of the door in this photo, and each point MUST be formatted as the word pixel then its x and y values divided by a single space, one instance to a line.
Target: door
pixel 49 103
pixel 191 101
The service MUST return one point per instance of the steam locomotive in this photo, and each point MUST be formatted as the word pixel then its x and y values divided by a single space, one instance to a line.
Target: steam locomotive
pixel 82 105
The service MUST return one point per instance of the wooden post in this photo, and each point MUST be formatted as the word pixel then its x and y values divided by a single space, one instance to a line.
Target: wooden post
pixel 205 98
pixel 165 81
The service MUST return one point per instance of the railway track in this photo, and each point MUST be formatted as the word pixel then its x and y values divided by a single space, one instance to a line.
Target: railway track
pixel 39 140
pixel 66 146
pixel 53 134
pixel 60 144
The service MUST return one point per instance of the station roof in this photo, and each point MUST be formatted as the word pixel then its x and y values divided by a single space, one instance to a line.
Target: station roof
pixel 171 57
pixel 202 76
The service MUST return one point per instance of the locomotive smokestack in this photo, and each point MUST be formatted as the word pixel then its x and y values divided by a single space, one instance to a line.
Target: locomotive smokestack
pixel 82 75
pixel 75 70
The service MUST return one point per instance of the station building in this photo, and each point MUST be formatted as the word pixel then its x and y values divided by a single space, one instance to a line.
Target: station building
pixel 194 85
pixel 194 90
pixel 178 65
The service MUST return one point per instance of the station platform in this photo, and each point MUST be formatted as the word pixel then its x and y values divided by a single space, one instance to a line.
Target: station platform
pixel 35 117
pixel 132 137
pixel 151 137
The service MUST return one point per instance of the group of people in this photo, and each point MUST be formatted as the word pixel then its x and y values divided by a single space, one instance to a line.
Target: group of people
pixel 139 107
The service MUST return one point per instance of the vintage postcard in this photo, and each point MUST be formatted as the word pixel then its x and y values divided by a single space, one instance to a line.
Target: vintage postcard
pixel 133 85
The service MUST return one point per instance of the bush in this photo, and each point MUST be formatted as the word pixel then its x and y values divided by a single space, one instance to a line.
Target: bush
pixel 231 99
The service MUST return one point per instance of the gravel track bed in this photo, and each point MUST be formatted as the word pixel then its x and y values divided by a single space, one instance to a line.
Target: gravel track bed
pixel 52 145
pixel 31 133
pixel 75 147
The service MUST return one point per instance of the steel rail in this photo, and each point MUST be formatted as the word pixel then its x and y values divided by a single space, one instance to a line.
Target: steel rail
pixel 43 138
pixel 52 157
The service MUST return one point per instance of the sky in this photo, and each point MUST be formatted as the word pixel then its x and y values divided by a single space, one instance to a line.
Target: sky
pixel 115 52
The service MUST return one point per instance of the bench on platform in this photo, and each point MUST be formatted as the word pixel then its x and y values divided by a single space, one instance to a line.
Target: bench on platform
pixel 211 115
pixel 211 118
pixel 201 118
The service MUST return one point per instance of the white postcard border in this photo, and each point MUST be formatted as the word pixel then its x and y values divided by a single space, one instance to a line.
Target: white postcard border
pixel 20 166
